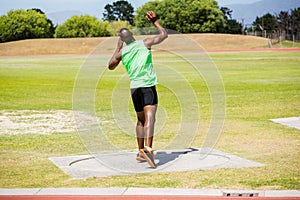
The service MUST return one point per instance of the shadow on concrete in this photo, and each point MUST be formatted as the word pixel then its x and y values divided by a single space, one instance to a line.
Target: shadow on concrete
pixel 166 157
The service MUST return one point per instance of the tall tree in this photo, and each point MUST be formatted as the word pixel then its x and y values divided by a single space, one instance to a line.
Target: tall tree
pixel 119 10
pixel 185 16
pixel 231 25
pixel 82 26
pixel 227 13
pixel 266 22
pixel 21 24
pixel 283 20
pixel 295 20
pixel 52 27
pixel 287 21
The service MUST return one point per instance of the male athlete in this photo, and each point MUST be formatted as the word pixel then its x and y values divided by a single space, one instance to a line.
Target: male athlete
pixel 137 58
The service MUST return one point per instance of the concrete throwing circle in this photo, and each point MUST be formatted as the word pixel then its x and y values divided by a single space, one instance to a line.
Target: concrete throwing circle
pixel 121 163
pixel 103 113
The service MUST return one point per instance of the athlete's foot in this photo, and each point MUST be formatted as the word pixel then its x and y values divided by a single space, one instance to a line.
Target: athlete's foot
pixel 140 157
pixel 149 150
pixel 148 155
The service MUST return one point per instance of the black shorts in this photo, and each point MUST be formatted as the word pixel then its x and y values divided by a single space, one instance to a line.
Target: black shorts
pixel 143 96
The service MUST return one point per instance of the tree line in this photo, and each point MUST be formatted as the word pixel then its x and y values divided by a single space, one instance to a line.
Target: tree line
pixel 185 16
pixel 284 21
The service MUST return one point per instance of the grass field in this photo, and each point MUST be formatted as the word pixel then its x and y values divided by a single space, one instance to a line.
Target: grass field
pixel 259 86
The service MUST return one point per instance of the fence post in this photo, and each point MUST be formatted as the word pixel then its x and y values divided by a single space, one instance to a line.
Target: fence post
pixel 293 40
pixel 280 40
pixel 269 42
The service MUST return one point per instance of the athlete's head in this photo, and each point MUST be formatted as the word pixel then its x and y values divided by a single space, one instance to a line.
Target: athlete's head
pixel 126 35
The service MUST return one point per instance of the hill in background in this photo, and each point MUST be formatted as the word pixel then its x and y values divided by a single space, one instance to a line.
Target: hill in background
pixel 209 42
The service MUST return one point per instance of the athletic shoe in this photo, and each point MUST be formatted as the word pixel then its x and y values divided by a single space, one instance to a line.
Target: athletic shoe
pixel 147 153
pixel 140 158
pixel 149 150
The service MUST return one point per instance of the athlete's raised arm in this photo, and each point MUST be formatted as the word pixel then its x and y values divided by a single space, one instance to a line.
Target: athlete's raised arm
pixel 151 16
pixel 117 56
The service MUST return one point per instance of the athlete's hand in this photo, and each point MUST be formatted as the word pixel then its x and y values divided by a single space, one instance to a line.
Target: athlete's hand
pixel 151 16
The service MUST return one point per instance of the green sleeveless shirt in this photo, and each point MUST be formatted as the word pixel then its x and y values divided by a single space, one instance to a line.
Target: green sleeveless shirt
pixel 137 60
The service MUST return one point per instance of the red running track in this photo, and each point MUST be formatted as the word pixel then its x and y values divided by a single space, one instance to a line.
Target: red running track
pixel 133 197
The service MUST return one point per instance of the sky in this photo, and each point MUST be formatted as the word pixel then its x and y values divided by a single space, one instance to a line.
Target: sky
pixel 91 7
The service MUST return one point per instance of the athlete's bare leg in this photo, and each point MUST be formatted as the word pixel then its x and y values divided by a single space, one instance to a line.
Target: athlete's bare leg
pixel 140 135
pixel 145 126
pixel 149 113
